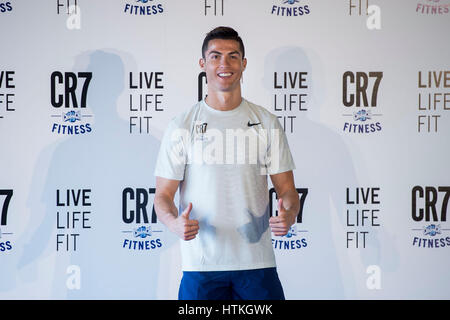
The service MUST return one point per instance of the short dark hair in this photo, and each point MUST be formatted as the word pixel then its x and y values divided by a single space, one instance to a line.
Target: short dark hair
pixel 225 33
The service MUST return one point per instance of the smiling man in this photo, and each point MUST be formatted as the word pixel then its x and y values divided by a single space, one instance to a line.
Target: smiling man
pixel 223 217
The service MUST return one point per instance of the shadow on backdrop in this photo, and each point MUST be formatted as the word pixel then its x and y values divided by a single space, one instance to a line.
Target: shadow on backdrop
pixel 324 166
pixel 106 161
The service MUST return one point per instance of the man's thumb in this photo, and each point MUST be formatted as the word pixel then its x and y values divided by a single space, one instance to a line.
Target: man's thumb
pixel 280 204
pixel 187 211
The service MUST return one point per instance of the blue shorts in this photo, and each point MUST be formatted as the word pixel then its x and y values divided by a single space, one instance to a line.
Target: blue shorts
pixel 257 284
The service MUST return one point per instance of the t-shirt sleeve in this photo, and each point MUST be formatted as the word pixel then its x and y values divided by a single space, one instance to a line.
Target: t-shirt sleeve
pixel 171 160
pixel 279 158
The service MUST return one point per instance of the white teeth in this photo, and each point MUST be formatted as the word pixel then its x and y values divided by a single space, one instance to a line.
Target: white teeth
pixel 225 74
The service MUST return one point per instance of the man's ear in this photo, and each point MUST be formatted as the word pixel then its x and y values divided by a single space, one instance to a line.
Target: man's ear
pixel 201 63
pixel 244 63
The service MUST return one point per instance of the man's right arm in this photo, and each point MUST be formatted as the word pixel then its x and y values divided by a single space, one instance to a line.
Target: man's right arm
pixel 167 212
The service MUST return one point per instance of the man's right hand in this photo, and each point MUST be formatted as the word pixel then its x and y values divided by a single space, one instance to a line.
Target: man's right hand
pixel 184 227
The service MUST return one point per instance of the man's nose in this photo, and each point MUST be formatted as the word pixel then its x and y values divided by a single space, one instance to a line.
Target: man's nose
pixel 225 61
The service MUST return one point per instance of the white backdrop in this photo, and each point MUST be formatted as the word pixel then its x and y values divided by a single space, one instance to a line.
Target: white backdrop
pixel 72 203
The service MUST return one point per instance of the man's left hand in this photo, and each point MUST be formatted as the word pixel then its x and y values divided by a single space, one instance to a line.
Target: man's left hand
pixel 281 224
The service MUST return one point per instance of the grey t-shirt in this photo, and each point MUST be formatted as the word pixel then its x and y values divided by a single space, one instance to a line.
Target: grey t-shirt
pixel 222 159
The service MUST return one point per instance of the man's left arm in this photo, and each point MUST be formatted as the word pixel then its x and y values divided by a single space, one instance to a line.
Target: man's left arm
pixel 288 203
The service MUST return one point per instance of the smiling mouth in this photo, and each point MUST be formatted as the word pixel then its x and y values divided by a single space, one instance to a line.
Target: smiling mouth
pixel 225 74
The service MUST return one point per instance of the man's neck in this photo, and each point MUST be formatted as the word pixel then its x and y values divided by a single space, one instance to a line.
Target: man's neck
pixel 224 101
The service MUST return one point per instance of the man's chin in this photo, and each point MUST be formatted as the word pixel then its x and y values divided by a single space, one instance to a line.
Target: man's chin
pixel 226 88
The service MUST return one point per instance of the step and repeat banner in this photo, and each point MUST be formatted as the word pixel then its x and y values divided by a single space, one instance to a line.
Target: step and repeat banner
pixel 361 88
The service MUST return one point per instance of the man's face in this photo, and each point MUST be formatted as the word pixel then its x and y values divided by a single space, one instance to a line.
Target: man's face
pixel 223 65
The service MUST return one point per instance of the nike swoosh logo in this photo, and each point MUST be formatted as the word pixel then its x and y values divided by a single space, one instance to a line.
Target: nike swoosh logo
pixel 252 124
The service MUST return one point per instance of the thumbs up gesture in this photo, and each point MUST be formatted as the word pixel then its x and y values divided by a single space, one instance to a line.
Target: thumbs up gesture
pixel 281 224
pixel 185 227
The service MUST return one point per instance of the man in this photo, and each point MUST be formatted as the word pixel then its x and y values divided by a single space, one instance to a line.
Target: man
pixel 224 200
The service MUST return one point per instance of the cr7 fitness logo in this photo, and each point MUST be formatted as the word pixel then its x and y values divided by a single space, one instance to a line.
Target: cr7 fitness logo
pixel 360 101
pixel 296 237
pixel 143 8
pixel 429 214
pixel 433 7
pixel 139 216
pixel 5 242
pixel 290 8
pixel 69 92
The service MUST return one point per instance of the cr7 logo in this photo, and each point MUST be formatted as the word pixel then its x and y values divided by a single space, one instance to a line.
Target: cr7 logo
pixel 140 199
pixel 360 83
pixel 70 81
pixel 303 192
pixel 425 202
pixel 8 194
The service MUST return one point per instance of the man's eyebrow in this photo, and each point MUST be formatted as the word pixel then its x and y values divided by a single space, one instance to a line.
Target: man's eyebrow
pixel 217 52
